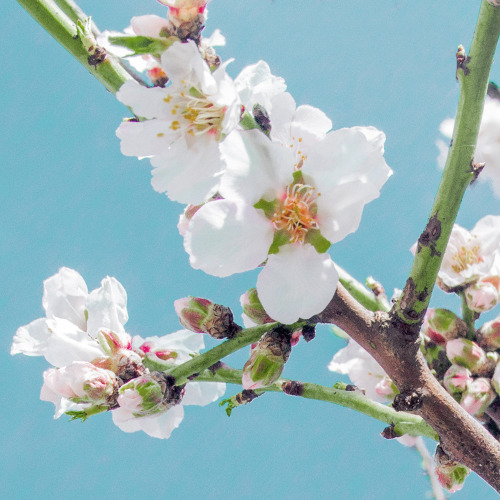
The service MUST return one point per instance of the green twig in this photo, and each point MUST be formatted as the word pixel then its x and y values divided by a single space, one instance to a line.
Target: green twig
pixel 404 423
pixel 364 296
pixel 209 358
pixel 110 73
pixel 472 73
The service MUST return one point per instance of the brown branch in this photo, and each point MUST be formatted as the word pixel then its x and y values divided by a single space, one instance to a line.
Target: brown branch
pixel 395 346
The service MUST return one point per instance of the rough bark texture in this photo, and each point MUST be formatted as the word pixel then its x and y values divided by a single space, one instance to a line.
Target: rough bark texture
pixel 395 346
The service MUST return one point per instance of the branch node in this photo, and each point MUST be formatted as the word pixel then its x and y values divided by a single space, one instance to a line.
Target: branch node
pixel 408 401
pixel 476 169
pixel 292 388
pixel 389 432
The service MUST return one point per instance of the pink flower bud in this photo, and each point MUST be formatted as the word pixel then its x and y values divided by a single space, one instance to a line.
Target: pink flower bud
pixel 495 381
pixel 203 316
pixel 457 379
pixel 450 474
pixel 81 382
pixel 252 307
pixel 466 353
pixel 483 295
pixel 386 388
pixel 479 395
pixel 267 359
pixel 441 325
pixel 112 342
pixel 182 11
pixel 488 336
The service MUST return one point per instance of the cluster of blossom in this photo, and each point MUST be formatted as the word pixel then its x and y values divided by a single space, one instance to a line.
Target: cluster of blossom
pixel 464 358
pixel 99 367
pixel 252 168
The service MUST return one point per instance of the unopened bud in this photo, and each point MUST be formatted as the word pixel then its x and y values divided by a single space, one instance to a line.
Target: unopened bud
pixel 457 379
pixel 435 355
pixel 450 474
pixel 252 307
pixel 488 336
pixel 467 353
pixel 112 342
pixel 495 380
pixel 124 363
pixel 385 388
pixel 203 316
pixel 483 295
pixel 149 395
pixel 478 396
pixel 441 325
pixel 267 359
pixel 81 382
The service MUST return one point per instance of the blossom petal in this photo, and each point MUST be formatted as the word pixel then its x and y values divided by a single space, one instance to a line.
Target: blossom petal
pixel 225 237
pixel 107 307
pixel 64 296
pixel 31 339
pixel 188 172
pixel 256 167
pixel 67 343
pixel 158 426
pixel 296 283
pixel 149 25
pixel 203 393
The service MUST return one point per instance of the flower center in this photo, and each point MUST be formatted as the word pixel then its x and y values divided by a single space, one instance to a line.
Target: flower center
pixel 465 257
pixel 297 212
pixel 195 113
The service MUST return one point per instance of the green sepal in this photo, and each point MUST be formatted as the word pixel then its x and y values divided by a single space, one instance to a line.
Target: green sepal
pixel 157 366
pixel 280 239
pixel 143 44
pixel 194 92
pixel 231 405
pixel 248 122
pixel 298 178
pixel 317 240
pixel 269 207
pixel 84 414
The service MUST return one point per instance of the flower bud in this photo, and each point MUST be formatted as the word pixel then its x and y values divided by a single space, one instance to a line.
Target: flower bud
pixel 479 395
pixel 125 363
pixel 267 359
pixel 252 307
pixel 203 316
pixel 81 382
pixel 483 295
pixel 457 379
pixel 441 325
pixel 466 353
pixel 385 388
pixel 495 380
pixel 149 395
pixel 450 474
pixel 435 355
pixel 488 336
pixel 112 342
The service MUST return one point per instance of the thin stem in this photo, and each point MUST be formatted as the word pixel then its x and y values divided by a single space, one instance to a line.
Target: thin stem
pixel 364 296
pixel 428 466
pixel 110 73
pixel 469 317
pixel 209 358
pixel 404 423
pixel 473 75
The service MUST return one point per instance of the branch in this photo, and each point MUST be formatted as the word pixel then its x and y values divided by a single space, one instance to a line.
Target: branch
pixel 110 72
pixel 181 373
pixel 404 423
pixel 459 171
pixel 393 345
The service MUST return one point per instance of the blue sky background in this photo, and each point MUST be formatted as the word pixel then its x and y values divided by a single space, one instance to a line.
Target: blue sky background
pixel 69 198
